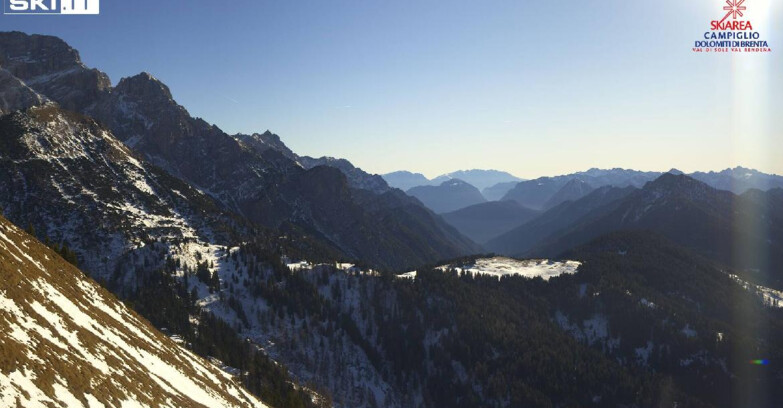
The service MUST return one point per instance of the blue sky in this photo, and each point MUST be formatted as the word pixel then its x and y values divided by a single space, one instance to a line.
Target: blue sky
pixel 533 88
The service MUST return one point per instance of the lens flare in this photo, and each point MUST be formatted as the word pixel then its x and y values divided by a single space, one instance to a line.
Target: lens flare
pixel 753 141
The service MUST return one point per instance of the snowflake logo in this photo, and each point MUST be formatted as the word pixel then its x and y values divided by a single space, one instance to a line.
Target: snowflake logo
pixel 734 8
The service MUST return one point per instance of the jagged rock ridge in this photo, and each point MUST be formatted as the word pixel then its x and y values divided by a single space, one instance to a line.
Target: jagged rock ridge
pixel 266 187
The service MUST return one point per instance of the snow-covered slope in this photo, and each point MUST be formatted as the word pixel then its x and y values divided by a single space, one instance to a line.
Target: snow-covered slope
pixel 75 183
pixel 65 341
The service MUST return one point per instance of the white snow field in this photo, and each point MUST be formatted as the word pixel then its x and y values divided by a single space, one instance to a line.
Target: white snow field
pixel 502 266
pixel 770 297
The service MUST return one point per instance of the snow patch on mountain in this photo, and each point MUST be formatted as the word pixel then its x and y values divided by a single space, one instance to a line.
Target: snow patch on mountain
pixel 592 331
pixel 530 268
pixel 770 297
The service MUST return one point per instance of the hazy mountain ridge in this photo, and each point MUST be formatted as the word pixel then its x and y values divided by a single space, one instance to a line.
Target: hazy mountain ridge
pixel 687 211
pixel 497 191
pixel 739 180
pixel 536 194
pixel 482 222
pixel 481 179
pixel 546 192
pixel 449 196
pixel 521 240
pixel 571 191
pixel 405 180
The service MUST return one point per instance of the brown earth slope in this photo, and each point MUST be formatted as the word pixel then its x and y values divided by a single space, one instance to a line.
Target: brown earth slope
pixel 65 341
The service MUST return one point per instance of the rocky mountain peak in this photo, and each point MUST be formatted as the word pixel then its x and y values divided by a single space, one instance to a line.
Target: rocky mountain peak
pixel 268 135
pixel 672 188
pixel 455 183
pixel 266 141
pixel 673 181
pixel 144 86
pixel 52 68
pixel 29 56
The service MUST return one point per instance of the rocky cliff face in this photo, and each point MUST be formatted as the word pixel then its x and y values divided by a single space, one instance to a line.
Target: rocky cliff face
pixel 52 68
pixel 356 177
pixel 15 95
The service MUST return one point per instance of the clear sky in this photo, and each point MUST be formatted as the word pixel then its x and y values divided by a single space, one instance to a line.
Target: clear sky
pixel 533 88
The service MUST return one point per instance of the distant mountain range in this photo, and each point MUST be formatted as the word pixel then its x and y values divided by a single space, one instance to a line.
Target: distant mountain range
pixel 739 180
pixel 405 180
pixel 546 192
pixel 481 179
pixel 744 231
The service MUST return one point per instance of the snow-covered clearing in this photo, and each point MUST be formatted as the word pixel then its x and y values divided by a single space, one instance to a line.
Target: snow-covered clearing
pixel 501 266
pixel 770 297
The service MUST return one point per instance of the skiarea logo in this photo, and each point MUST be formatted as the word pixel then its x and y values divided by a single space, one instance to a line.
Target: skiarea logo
pixel 732 33
pixel 49 7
